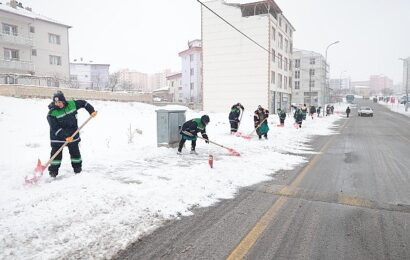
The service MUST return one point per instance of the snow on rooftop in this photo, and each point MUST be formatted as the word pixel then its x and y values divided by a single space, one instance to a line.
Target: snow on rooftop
pixel 27 13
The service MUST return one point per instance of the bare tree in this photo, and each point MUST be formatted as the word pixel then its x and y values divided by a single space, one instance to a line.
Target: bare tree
pixel 114 80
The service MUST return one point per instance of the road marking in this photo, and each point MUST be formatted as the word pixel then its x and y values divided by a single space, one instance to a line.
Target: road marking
pixel 250 239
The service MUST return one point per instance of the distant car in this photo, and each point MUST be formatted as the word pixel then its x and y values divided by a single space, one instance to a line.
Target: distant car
pixel 365 111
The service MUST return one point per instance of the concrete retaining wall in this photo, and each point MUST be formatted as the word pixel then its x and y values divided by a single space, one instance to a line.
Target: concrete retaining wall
pixel 23 91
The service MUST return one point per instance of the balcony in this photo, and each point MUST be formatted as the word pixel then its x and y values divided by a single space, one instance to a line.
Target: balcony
pixel 16 65
pixel 16 39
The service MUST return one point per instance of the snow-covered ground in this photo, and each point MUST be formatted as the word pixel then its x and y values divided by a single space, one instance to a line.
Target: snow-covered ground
pixel 126 190
pixel 396 107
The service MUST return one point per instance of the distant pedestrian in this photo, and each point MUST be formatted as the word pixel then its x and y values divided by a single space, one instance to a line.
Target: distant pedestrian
pixel 282 117
pixel 190 130
pixel 347 111
pixel 298 117
pixel 327 110
pixel 260 119
pixel 234 115
pixel 312 111
pixel 332 109
pixel 318 111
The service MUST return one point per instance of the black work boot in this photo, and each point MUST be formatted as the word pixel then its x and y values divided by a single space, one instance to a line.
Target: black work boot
pixel 53 174
pixel 77 170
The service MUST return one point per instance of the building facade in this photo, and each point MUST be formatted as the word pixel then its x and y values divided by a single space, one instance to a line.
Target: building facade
pixel 191 69
pixel 174 83
pixel 235 69
pixel 90 75
pixel 308 78
pixel 32 44
pixel 376 84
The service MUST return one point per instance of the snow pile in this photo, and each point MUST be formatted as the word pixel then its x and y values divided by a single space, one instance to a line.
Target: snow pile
pixel 128 186
pixel 396 107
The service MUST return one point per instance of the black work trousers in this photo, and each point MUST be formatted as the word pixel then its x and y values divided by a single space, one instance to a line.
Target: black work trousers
pixel 75 155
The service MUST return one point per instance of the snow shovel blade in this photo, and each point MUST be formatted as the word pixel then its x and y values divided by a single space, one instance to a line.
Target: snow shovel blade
pixel 38 172
pixel 247 137
pixel 234 152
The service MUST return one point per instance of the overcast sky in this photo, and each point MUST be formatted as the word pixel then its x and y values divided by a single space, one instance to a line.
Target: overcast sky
pixel 147 35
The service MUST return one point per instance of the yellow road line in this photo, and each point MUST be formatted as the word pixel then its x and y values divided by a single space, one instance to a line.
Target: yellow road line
pixel 249 240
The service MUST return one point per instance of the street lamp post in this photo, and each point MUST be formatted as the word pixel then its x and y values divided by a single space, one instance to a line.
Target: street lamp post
pixel 407 82
pixel 326 85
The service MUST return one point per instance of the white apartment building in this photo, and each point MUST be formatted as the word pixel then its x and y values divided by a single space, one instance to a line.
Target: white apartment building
pixel 191 62
pixel 308 78
pixel 32 44
pixel 89 75
pixel 174 83
pixel 235 69
pixel 133 80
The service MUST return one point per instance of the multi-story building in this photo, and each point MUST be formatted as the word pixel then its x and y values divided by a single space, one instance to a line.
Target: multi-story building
pixel 236 69
pixel 32 44
pixel 376 84
pixel 339 84
pixel 174 82
pixel 308 78
pixel 89 75
pixel 158 80
pixel 133 80
pixel 191 61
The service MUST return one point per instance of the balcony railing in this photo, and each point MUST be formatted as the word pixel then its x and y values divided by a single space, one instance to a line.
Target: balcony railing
pixel 19 65
pixel 16 39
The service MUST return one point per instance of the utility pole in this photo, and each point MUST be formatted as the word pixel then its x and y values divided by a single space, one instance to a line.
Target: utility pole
pixel 406 61
pixel 326 85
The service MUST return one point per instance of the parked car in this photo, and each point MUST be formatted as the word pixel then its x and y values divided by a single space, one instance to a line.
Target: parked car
pixel 365 111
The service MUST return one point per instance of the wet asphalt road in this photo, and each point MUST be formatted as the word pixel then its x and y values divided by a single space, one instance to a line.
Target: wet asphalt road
pixel 351 201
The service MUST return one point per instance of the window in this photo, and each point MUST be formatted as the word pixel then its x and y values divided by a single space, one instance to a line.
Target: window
pixel 297 74
pixel 11 54
pixel 290 32
pixel 286 28
pixel 192 72
pixel 279 80
pixel 192 85
pixel 280 61
pixel 272 77
pixel 312 61
pixel 53 83
pixel 312 84
pixel 312 72
pixel 10 80
pixel 10 29
pixel 290 82
pixel 291 47
pixel 280 43
pixel 33 52
pixel 273 55
pixel 280 22
pixel 297 63
pixel 285 82
pixel 286 45
pixel 74 77
pixel 55 60
pixel 286 64
pixel 297 84
pixel 273 34
pixel 32 29
pixel 290 64
pixel 54 38
pixel 191 57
